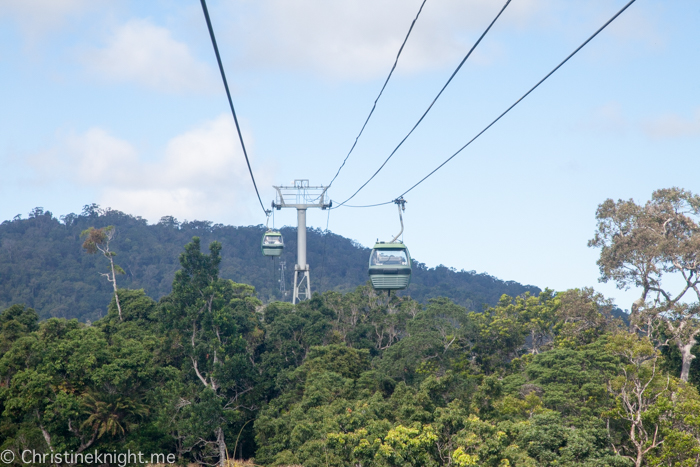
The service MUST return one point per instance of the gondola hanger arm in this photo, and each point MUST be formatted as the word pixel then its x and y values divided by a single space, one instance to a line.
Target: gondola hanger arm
pixel 401 203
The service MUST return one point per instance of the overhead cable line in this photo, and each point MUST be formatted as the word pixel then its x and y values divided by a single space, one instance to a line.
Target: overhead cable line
pixel 431 104
pixel 523 97
pixel 380 94
pixel 366 206
pixel 511 107
pixel 230 102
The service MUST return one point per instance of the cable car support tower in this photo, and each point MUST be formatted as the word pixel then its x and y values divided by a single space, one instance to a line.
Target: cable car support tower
pixel 301 197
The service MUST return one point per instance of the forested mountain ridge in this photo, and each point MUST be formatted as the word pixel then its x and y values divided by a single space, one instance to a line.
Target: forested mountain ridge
pixel 43 266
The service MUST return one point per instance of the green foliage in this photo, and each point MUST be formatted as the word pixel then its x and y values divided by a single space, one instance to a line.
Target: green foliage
pixel 15 322
pixel 359 378
pixel 79 385
pixel 573 381
pixel 214 324
pixel 682 429
pixel 583 316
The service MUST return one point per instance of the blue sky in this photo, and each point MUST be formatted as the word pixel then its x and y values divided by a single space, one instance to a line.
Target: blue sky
pixel 120 103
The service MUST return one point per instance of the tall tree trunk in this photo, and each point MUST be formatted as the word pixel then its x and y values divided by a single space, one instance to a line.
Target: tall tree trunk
pixel 687 358
pixel 222 446
pixel 114 284
pixel 47 436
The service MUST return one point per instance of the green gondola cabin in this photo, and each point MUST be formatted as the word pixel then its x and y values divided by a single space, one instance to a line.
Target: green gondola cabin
pixel 390 266
pixel 272 243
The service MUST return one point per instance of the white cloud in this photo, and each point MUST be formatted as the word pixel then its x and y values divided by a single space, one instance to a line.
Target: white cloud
pixel 673 126
pixel 96 156
pixel 359 39
pixel 202 173
pixel 36 17
pixel 144 53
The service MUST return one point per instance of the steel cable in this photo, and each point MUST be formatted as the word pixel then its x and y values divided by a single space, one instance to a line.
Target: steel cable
pixel 380 94
pixel 509 108
pixel 431 104
pixel 230 101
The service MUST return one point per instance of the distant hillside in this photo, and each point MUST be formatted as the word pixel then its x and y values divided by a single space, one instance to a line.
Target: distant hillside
pixel 43 265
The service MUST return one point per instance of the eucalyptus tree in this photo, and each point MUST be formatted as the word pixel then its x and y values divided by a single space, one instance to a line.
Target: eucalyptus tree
pixel 641 246
pixel 99 240
pixel 641 392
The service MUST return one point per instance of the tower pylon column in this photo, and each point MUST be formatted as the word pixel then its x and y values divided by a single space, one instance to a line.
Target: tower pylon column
pixel 301 196
pixel 302 284
pixel 302 279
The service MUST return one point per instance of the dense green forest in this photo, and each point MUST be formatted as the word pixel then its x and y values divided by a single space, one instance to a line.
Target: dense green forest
pixel 43 265
pixel 210 374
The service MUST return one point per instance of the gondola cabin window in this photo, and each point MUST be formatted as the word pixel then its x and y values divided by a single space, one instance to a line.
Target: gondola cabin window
pixel 389 258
